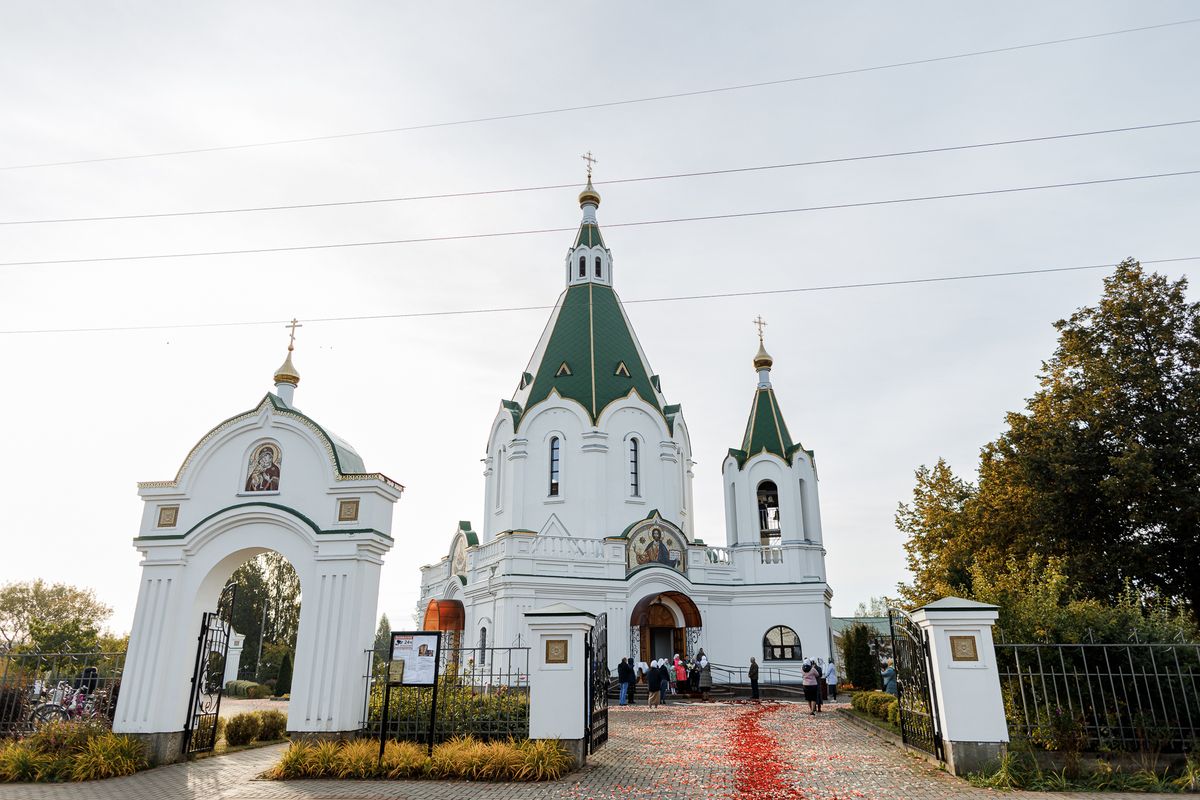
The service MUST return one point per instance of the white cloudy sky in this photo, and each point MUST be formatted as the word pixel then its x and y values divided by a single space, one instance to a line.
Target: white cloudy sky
pixel 877 381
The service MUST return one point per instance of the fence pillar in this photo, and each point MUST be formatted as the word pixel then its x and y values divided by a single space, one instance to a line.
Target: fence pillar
pixel 233 658
pixel 967 679
pixel 559 675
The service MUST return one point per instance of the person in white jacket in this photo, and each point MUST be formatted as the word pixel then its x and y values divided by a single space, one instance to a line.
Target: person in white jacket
pixel 831 679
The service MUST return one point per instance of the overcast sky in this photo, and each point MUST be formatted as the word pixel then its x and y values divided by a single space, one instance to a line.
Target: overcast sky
pixel 877 381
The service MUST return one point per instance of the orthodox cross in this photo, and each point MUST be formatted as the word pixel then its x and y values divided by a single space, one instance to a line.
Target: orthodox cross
pixel 591 161
pixel 760 323
pixel 292 338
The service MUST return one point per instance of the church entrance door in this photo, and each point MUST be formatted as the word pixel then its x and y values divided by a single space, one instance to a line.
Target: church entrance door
pixel 663 625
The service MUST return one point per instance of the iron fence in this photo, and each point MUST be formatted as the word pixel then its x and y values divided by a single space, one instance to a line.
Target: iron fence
pixel 482 692
pixel 42 687
pixel 1109 697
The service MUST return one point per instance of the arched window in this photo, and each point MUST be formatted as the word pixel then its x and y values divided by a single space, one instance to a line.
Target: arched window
pixel 781 644
pixel 768 513
pixel 483 645
pixel 582 266
pixel 597 266
pixel 635 476
pixel 555 463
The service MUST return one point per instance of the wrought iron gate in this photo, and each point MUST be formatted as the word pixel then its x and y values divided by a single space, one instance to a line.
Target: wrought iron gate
pixel 916 688
pixel 208 675
pixel 597 678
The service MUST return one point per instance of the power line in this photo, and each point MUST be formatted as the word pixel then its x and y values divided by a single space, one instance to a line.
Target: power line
pixel 640 223
pixel 641 179
pixel 611 103
pixel 668 299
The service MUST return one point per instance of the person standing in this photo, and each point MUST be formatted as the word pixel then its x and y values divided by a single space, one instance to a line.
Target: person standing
pixel 812 690
pixel 705 674
pixel 889 678
pixel 681 674
pixel 831 679
pixel 625 677
pixel 666 681
pixel 654 684
pixel 753 673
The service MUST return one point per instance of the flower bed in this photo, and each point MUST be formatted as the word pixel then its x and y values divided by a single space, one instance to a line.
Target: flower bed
pixel 71 751
pixel 461 758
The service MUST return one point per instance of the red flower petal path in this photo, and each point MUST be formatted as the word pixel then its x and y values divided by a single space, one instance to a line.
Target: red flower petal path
pixel 759 763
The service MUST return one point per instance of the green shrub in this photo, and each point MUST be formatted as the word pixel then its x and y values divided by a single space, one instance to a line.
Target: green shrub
pixel 258 691
pixel 321 761
pixel 272 725
pixel 545 760
pixel 109 756
pixel 861 668
pixel 238 688
pixel 283 685
pixel 291 763
pixel 242 729
pixel 893 714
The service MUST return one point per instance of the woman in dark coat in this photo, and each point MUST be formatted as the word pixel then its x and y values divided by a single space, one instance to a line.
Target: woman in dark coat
pixel 705 673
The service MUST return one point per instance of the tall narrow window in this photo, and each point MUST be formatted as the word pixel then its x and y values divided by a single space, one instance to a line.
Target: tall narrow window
pixel 597 266
pixel 768 513
pixel 583 266
pixel 483 645
pixel 635 478
pixel 500 478
pixel 555 461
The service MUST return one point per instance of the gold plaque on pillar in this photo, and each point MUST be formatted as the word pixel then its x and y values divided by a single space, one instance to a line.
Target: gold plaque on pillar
pixel 556 651
pixel 962 648
pixel 348 510
pixel 168 516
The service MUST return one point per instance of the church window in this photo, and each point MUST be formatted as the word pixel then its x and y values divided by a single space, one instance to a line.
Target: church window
pixel 597 266
pixel 635 478
pixel 483 645
pixel 583 266
pixel 781 644
pixel 555 463
pixel 768 513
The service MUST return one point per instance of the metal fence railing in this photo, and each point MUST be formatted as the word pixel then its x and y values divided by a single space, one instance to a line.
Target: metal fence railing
pixel 1130 697
pixel 482 692
pixel 42 687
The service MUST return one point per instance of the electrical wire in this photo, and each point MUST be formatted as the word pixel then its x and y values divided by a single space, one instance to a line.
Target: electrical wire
pixel 668 299
pixel 609 104
pixel 641 179
pixel 640 223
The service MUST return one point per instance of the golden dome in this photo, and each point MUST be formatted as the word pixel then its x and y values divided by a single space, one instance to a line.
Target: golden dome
pixel 287 372
pixel 762 359
pixel 589 194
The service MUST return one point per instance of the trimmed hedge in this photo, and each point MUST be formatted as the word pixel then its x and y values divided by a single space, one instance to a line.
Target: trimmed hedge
pixel 255 726
pixel 460 758
pixel 880 705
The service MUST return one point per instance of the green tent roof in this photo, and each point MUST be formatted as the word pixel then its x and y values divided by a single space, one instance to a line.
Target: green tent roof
pixel 589 354
pixel 588 236
pixel 765 430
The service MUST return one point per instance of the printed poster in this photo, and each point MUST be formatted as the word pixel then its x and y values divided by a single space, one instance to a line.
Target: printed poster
pixel 417 654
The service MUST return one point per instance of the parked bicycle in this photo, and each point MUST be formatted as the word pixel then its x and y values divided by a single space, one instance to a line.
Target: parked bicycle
pixel 66 702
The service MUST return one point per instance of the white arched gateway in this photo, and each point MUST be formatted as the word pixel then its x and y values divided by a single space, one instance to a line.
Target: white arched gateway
pixel 270 479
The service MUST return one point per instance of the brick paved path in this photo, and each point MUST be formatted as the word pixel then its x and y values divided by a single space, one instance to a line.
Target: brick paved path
pixel 734 752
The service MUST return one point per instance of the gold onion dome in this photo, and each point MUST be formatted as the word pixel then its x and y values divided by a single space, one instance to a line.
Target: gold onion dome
pixel 287 371
pixel 589 194
pixel 762 359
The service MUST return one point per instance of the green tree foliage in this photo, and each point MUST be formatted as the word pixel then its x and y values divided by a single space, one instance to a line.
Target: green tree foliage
pixel 283 684
pixel 382 633
pixel 266 583
pixel 69 636
pixel 1098 475
pixel 58 612
pixel 874 607
pixel 858 665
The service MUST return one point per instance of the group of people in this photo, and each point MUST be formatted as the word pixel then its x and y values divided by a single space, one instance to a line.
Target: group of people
pixel 665 677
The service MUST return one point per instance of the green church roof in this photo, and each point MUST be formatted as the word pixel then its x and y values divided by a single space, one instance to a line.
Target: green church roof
pixel 765 430
pixel 589 354
pixel 588 236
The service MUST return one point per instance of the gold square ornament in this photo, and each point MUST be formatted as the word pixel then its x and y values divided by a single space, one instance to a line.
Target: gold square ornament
pixel 556 651
pixel 347 510
pixel 168 516
pixel 962 648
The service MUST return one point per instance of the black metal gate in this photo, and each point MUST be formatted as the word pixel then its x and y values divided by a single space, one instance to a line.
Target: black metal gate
pixel 597 677
pixel 916 688
pixel 208 675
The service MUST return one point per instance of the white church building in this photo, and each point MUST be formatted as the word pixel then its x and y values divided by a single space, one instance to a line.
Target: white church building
pixel 589 502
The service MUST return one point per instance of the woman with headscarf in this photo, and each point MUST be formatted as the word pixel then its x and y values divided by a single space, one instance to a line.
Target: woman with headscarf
pixel 654 680
pixel 812 687
pixel 705 674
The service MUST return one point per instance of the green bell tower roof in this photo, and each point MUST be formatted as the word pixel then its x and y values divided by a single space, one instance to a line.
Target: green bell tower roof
pixel 766 431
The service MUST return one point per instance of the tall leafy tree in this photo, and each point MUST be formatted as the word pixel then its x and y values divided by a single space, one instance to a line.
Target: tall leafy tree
pixel 382 632
pixel 59 614
pixel 266 609
pixel 1100 472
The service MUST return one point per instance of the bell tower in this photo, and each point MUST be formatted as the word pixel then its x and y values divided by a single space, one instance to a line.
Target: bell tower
pixel 589 260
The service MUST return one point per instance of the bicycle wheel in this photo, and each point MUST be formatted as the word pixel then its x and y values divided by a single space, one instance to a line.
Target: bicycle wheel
pixel 48 712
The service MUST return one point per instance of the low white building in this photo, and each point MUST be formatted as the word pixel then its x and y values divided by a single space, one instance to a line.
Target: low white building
pixel 589 502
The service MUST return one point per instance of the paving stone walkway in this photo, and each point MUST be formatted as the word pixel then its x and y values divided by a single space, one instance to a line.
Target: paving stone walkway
pixel 772 751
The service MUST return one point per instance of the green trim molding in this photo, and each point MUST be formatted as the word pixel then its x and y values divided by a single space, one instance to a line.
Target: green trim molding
pixel 278 507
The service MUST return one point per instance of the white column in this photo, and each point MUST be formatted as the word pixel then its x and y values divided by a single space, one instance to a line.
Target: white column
pixel 967 681
pixel 558 676
pixel 233 657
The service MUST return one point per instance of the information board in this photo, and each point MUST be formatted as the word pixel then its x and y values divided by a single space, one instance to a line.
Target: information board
pixel 414 658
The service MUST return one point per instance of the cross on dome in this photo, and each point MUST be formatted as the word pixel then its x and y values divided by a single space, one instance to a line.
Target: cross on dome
pixel 760 323
pixel 287 377
pixel 292 338
pixel 762 359
pixel 591 161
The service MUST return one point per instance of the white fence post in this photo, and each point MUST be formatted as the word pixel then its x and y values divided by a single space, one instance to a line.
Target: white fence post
pixel 233 658
pixel 558 676
pixel 967 679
